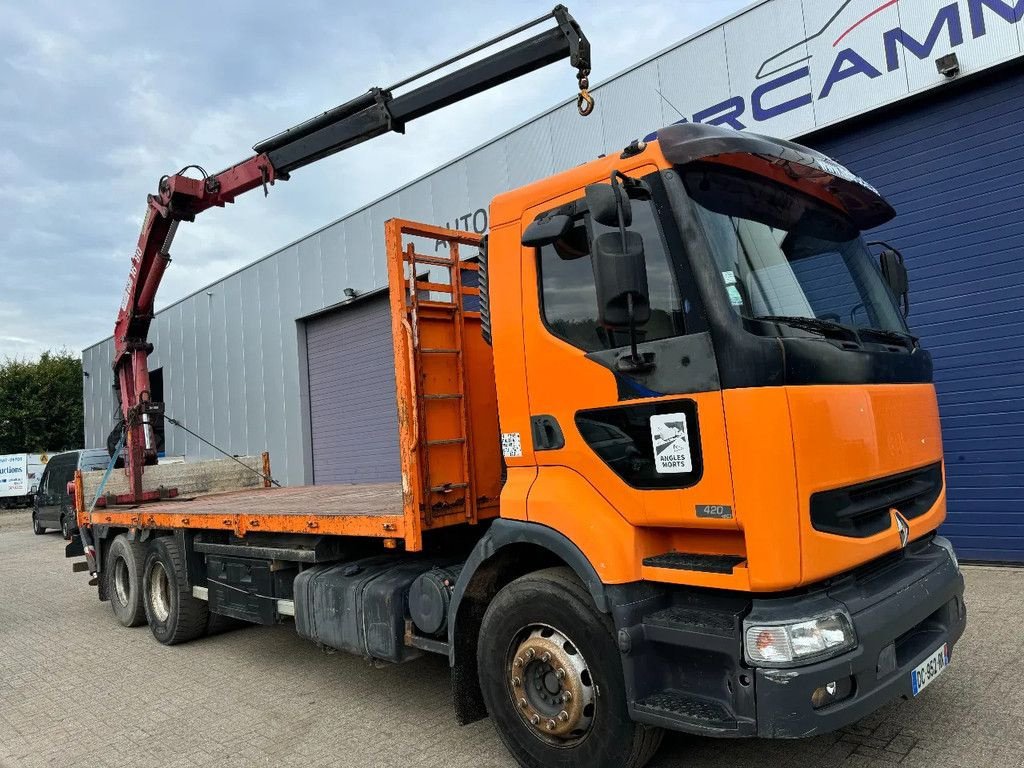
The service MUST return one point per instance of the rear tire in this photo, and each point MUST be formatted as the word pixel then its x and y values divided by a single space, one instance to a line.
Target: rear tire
pixel 541 626
pixel 125 562
pixel 66 528
pixel 174 615
pixel 37 529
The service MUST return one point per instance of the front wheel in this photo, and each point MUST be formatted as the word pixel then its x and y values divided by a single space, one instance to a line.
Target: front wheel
pixel 37 528
pixel 551 676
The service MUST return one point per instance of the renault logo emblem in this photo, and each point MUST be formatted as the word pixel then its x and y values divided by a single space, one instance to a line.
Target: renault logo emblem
pixel 903 528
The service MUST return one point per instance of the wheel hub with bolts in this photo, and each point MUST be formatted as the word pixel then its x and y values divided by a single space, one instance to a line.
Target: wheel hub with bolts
pixel 551 685
pixel 159 593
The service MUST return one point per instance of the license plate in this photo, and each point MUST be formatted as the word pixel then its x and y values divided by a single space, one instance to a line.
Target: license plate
pixel 929 669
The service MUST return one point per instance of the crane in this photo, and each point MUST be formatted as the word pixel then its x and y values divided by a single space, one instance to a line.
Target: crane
pixel 182 197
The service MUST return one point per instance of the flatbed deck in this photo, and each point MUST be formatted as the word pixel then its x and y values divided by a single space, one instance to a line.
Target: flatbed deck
pixel 347 510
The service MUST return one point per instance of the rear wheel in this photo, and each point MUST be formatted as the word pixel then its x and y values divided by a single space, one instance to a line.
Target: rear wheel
pixel 66 527
pixel 37 529
pixel 124 567
pixel 551 676
pixel 174 615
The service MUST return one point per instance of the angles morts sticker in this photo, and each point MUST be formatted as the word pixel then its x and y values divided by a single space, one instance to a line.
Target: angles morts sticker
pixel 671 443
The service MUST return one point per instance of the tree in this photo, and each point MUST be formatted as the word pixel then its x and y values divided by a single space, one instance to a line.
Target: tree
pixel 41 404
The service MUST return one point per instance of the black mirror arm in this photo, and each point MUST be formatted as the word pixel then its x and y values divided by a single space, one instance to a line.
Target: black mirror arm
pixel 905 298
pixel 616 180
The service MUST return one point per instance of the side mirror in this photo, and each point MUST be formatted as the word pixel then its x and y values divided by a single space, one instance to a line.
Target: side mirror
pixel 545 229
pixel 895 273
pixel 621 279
pixel 603 206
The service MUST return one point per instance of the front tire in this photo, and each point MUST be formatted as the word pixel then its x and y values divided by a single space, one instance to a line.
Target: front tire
pixel 126 560
pixel 37 529
pixel 551 676
pixel 174 615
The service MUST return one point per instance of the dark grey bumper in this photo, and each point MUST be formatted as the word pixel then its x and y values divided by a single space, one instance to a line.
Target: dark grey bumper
pixel 901 613
pixel 685 669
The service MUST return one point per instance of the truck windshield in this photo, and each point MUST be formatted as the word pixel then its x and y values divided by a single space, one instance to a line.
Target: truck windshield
pixel 787 257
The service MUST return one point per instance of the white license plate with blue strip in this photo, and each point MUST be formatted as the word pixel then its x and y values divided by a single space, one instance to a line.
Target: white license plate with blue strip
pixel 929 669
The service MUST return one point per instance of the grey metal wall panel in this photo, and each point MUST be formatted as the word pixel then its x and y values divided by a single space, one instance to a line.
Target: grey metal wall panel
pixel 310 273
pixel 234 364
pixel 287 405
pixel 217 343
pixel 630 106
pixel 388 208
pixel 573 141
pixel 335 262
pixel 486 174
pixel 252 350
pixel 206 423
pixel 353 418
pixel 530 153
pixel 271 292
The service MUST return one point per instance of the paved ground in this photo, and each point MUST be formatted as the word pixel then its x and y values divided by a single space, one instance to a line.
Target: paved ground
pixel 262 696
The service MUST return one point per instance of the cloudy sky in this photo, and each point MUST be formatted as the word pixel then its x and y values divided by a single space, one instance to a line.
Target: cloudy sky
pixel 98 100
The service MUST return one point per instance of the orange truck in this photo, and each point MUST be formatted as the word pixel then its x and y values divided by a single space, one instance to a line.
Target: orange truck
pixel 670 460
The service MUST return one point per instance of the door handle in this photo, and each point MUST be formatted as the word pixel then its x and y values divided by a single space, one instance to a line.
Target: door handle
pixel 547 434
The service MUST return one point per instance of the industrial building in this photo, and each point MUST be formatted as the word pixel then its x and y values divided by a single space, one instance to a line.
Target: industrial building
pixel 923 98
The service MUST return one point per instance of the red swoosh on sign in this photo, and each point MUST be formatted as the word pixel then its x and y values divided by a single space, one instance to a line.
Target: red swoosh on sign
pixel 875 12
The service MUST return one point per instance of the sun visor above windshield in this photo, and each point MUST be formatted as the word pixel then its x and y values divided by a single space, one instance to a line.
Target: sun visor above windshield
pixel 789 163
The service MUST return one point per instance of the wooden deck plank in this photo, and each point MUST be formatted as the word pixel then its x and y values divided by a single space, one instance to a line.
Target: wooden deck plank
pixel 328 500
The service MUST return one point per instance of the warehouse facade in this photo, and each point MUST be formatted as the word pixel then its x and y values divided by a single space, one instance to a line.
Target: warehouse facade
pixel 921 97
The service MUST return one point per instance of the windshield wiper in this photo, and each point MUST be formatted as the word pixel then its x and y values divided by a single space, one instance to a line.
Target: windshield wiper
pixel 904 339
pixel 814 325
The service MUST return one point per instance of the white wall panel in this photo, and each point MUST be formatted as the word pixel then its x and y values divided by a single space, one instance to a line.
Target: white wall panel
pixel 757 42
pixel 861 35
pixel 1000 40
pixel 688 83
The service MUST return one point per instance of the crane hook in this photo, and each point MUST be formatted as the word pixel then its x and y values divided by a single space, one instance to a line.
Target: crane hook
pixel 584 102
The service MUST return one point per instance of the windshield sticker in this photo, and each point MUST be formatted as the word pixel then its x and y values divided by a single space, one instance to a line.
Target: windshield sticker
pixel 729 276
pixel 671 444
pixel 511 445
pixel 734 295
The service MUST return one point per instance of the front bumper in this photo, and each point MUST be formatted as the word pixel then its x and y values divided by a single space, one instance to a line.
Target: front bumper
pixel 901 612
pixel 685 670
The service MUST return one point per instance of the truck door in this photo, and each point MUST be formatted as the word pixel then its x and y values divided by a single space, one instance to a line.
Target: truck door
pixel 653 444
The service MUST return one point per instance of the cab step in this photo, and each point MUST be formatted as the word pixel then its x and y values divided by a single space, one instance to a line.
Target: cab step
pixel 696 714
pixel 691 561
pixel 696 628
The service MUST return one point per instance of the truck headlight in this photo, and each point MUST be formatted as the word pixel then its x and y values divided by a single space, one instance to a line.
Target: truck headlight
pixel 946 544
pixel 779 645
